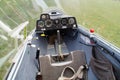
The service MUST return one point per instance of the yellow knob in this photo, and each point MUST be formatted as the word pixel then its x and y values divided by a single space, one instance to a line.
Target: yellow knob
pixel 42 34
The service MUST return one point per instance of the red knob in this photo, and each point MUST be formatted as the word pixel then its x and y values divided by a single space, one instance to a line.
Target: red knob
pixel 92 30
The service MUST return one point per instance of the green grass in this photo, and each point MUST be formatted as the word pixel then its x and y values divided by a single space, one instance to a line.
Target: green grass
pixel 102 15
pixel 13 13
pixel 50 3
pixel 4 69
pixel 6 46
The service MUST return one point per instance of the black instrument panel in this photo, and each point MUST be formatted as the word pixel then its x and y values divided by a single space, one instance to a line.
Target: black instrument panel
pixel 46 22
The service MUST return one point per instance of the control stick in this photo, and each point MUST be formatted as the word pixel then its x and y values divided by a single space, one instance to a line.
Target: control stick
pixel 59 45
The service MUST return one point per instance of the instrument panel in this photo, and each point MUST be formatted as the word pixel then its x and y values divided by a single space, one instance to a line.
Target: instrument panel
pixel 46 22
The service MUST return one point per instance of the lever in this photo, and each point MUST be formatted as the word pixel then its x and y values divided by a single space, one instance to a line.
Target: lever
pixel 59 45
pixel 37 57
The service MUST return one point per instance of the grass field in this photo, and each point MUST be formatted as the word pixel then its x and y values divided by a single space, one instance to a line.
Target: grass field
pixel 12 13
pixel 50 3
pixel 102 15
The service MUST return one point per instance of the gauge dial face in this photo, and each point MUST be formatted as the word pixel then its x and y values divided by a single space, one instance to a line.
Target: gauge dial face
pixel 57 21
pixel 43 16
pixel 71 20
pixel 64 21
pixel 48 23
pixel 41 24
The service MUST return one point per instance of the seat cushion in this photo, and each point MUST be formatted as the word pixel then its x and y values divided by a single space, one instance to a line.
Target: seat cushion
pixel 53 72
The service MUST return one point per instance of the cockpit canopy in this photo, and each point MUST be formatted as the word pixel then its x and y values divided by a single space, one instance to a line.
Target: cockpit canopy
pixel 55 20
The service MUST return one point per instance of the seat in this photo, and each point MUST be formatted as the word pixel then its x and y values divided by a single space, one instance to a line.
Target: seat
pixel 52 70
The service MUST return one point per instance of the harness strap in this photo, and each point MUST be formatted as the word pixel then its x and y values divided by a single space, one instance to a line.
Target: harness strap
pixel 80 72
pixel 78 75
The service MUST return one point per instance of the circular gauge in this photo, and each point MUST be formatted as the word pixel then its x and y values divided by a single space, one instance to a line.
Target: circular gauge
pixel 64 21
pixel 71 20
pixel 40 23
pixel 48 23
pixel 47 16
pixel 56 21
pixel 43 16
